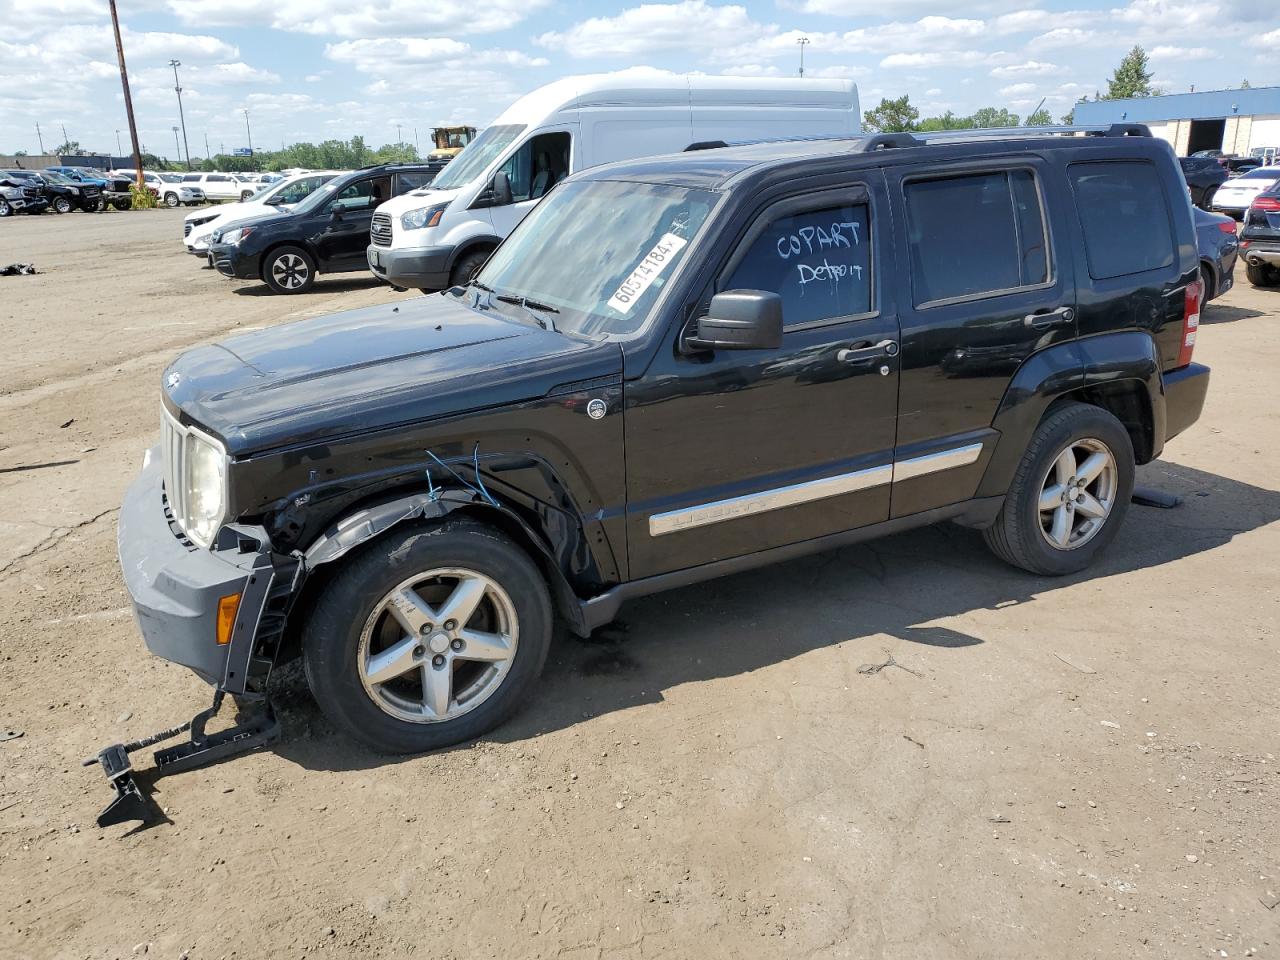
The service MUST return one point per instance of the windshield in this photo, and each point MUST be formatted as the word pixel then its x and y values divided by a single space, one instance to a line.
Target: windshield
pixel 599 252
pixel 319 197
pixel 54 177
pixel 1261 173
pixel 476 156
pixel 294 192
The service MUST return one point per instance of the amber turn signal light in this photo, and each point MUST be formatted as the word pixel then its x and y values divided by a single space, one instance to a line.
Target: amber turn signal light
pixel 228 606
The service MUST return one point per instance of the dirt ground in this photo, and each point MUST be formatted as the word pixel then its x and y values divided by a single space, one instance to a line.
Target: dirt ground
pixel 1053 768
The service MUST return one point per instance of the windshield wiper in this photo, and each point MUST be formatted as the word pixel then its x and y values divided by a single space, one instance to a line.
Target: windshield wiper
pixel 533 306
pixel 478 285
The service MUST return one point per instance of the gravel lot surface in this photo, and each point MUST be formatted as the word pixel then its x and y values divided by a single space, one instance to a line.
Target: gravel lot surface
pixel 1072 768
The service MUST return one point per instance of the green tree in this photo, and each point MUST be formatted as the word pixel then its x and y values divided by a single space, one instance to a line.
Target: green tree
pixel 395 153
pixel 948 121
pixel 1041 118
pixel 891 116
pixel 1132 78
pixel 71 148
pixel 994 117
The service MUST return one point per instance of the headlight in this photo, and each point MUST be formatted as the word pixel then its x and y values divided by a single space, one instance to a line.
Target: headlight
pixel 235 236
pixel 423 217
pixel 202 499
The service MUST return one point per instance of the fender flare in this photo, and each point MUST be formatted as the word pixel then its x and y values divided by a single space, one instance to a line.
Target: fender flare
pixel 366 524
pixel 1123 360
pixel 466 246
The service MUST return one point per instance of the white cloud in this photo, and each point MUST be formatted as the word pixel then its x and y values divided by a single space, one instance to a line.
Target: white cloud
pixel 342 18
pixel 1030 68
pixel 956 58
pixel 687 25
pixel 238 72
pixel 1017 89
pixel 1061 37
pixel 1183 53
pixel 1269 40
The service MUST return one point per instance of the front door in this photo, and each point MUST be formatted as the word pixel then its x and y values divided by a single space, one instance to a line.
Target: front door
pixel 736 451
pixel 344 237
pixel 537 165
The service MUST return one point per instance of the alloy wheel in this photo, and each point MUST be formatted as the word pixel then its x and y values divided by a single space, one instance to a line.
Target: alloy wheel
pixel 438 645
pixel 290 271
pixel 1077 494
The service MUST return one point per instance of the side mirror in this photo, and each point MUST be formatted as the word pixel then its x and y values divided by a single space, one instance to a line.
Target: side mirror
pixel 740 320
pixel 335 213
pixel 501 189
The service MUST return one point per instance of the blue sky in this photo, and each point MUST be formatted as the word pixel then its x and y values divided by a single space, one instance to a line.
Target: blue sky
pixel 314 69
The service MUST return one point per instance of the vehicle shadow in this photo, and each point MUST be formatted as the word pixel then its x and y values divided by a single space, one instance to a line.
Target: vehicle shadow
pixel 895 587
pixel 1221 313
pixel 320 286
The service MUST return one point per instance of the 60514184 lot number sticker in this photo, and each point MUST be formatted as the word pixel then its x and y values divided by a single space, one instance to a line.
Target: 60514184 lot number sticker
pixel 646 271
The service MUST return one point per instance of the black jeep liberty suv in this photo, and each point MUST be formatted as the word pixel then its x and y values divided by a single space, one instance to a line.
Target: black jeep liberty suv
pixel 673 369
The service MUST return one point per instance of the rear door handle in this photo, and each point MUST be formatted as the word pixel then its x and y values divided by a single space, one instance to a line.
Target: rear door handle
pixel 885 348
pixel 1043 319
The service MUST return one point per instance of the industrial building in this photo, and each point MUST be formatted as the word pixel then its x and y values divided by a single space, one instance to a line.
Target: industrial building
pixel 1244 122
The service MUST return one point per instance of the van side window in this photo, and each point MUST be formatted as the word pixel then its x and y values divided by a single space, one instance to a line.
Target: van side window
pixel 818 261
pixel 1124 216
pixel 539 164
pixel 974 235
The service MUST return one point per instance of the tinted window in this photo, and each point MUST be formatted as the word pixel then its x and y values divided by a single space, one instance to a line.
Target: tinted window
pixel 411 181
pixel 193 177
pixel 1124 216
pixel 976 234
pixel 1261 173
pixel 361 195
pixel 818 261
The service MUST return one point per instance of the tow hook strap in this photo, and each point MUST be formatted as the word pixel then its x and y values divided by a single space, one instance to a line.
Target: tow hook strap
pixel 130 803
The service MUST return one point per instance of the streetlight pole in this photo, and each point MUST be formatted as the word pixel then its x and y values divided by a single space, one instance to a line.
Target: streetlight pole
pixel 40 137
pixel 128 100
pixel 178 147
pixel 119 149
pixel 803 42
pixel 248 133
pixel 177 88
pixel 398 138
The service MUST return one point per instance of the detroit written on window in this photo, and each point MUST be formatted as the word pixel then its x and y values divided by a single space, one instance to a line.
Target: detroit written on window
pixel 818 261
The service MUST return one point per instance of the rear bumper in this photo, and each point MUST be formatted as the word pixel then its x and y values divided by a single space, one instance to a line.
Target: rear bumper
pixel 175 586
pixel 1184 393
pixel 426 267
pixel 1259 252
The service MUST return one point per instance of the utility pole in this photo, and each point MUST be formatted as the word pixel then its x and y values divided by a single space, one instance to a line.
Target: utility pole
pixel 415 142
pixel 177 147
pixel 248 133
pixel 803 42
pixel 39 138
pixel 177 88
pixel 128 100
pixel 65 138
pixel 399 139
pixel 119 149
pixel 206 145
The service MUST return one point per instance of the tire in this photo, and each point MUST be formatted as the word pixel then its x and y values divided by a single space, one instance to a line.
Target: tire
pixel 172 200
pixel 352 618
pixel 5 209
pixel 1206 198
pixel 124 203
pixel 289 270
pixel 1019 535
pixel 245 195
pixel 1208 288
pixel 468 267
pixel 61 205
pixel 1260 274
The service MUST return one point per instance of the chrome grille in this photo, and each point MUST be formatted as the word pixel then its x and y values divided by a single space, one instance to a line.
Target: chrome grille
pixel 380 231
pixel 173 446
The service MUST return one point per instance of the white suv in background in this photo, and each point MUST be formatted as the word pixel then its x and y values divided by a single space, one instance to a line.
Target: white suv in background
pixel 216 186
pixel 169 187
pixel 199 226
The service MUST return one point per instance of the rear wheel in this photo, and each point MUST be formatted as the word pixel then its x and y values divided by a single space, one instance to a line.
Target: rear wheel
pixel 1260 274
pixel 5 209
pixel 1208 288
pixel 123 203
pixel 468 267
pixel 289 270
pixel 430 636
pixel 171 199
pixel 1206 198
pixel 61 205
pixel 1069 494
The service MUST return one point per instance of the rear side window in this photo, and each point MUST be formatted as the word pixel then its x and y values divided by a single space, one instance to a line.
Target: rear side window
pixel 818 261
pixel 976 235
pixel 1124 216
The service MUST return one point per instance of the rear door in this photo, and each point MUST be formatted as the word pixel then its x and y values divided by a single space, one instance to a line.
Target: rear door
pixel 986 286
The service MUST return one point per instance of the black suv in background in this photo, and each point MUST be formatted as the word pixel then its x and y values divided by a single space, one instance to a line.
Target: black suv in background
pixel 1260 239
pixel 62 193
pixel 674 368
pixel 1204 175
pixel 328 232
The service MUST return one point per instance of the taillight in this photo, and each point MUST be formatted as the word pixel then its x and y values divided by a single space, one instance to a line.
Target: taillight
pixel 1227 226
pixel 1190 320
pixel 1267 204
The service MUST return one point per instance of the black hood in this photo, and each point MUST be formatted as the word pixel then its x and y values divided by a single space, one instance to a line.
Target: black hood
pixel 354 372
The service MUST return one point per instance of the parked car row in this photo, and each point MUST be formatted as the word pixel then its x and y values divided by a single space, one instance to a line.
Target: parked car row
pixel 61 189
pixel 1260 238
pixel 1217 185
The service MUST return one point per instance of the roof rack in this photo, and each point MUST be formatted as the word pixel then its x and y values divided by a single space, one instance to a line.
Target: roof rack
pixel 885 141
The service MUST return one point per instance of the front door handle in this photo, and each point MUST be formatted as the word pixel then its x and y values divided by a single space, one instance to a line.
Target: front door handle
pixel 1043 319
pixel 885 348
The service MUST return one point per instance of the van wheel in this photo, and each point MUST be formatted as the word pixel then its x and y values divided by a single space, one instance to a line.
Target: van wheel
pixel 468 267
pixel 1069 495
pixel 1260 274
pixel 430 636
pixel 289 270
pixel 171 200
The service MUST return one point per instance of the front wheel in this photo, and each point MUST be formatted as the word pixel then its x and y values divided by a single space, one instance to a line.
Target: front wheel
pixel 468 267
pixel 61 205
pixel 171 200
pixel 245 195
pixel 124 203
pixel 1069 495
pixel 430 636
pixel 5 209
pixel 289 270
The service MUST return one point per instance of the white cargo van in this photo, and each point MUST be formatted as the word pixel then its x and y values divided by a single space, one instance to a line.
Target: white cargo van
pixel 440 235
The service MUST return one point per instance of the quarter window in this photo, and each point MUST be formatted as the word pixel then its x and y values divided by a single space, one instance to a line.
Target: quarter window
pixel 818 261
pixel 1124 217
pixel 975 235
